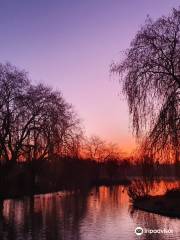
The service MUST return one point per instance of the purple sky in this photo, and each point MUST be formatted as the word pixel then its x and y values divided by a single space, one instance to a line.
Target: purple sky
pixel 70 45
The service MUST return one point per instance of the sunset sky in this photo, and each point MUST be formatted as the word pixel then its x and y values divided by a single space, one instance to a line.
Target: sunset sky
pixel 70 45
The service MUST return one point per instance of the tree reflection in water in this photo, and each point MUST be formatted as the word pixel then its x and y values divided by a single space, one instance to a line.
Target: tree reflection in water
pixel 101 213
pixel 53 216
pixel 141 188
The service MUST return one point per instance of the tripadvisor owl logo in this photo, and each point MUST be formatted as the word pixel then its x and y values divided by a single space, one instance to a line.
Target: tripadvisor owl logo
pixel 139 231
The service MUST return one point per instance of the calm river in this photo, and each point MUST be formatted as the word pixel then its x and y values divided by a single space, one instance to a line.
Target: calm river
pixel 103 214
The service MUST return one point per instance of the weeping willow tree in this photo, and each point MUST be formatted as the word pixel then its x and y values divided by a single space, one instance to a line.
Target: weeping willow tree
pixel 150 76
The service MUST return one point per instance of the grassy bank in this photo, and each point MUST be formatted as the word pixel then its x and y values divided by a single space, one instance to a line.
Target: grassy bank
pixel 167 204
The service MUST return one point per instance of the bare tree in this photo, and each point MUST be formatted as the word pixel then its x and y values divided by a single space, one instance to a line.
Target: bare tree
pixel 93 148
pixel 99 150
pixel 13 83
pixel 150 74
pixel 73 144
pixel 35 121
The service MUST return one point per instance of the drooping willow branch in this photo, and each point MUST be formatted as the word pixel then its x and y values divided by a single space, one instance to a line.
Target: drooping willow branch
pixel 150 76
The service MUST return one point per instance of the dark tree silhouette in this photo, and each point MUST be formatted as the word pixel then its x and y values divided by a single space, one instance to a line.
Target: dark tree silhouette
pixel 35 121
pixel 97 149
pixel 150 73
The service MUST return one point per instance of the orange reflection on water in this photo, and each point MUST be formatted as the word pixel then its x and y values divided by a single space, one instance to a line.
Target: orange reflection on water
pixel 102 213
pixel 160 187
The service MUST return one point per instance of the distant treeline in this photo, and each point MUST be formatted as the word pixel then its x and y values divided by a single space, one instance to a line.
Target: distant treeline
pixel 67 173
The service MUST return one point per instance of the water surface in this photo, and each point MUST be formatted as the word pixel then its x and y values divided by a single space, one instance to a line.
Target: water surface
pixel 104 213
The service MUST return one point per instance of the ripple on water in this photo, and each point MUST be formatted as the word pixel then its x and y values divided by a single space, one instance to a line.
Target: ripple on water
pixel 103 214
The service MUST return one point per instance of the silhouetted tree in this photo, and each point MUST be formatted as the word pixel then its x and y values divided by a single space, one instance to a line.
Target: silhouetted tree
pixel 13 83
pixel 94 148
pixel 97 149
pixel 73 143
pixel 140 188
pixel 35 121
pixel 150 74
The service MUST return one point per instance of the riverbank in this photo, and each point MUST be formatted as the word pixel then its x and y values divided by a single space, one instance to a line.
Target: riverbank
pixel 60 174
pixel 167 204
pixel 18 193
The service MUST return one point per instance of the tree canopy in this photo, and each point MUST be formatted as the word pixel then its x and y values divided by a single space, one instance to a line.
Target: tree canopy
pixel 150 76
pixel 35 121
